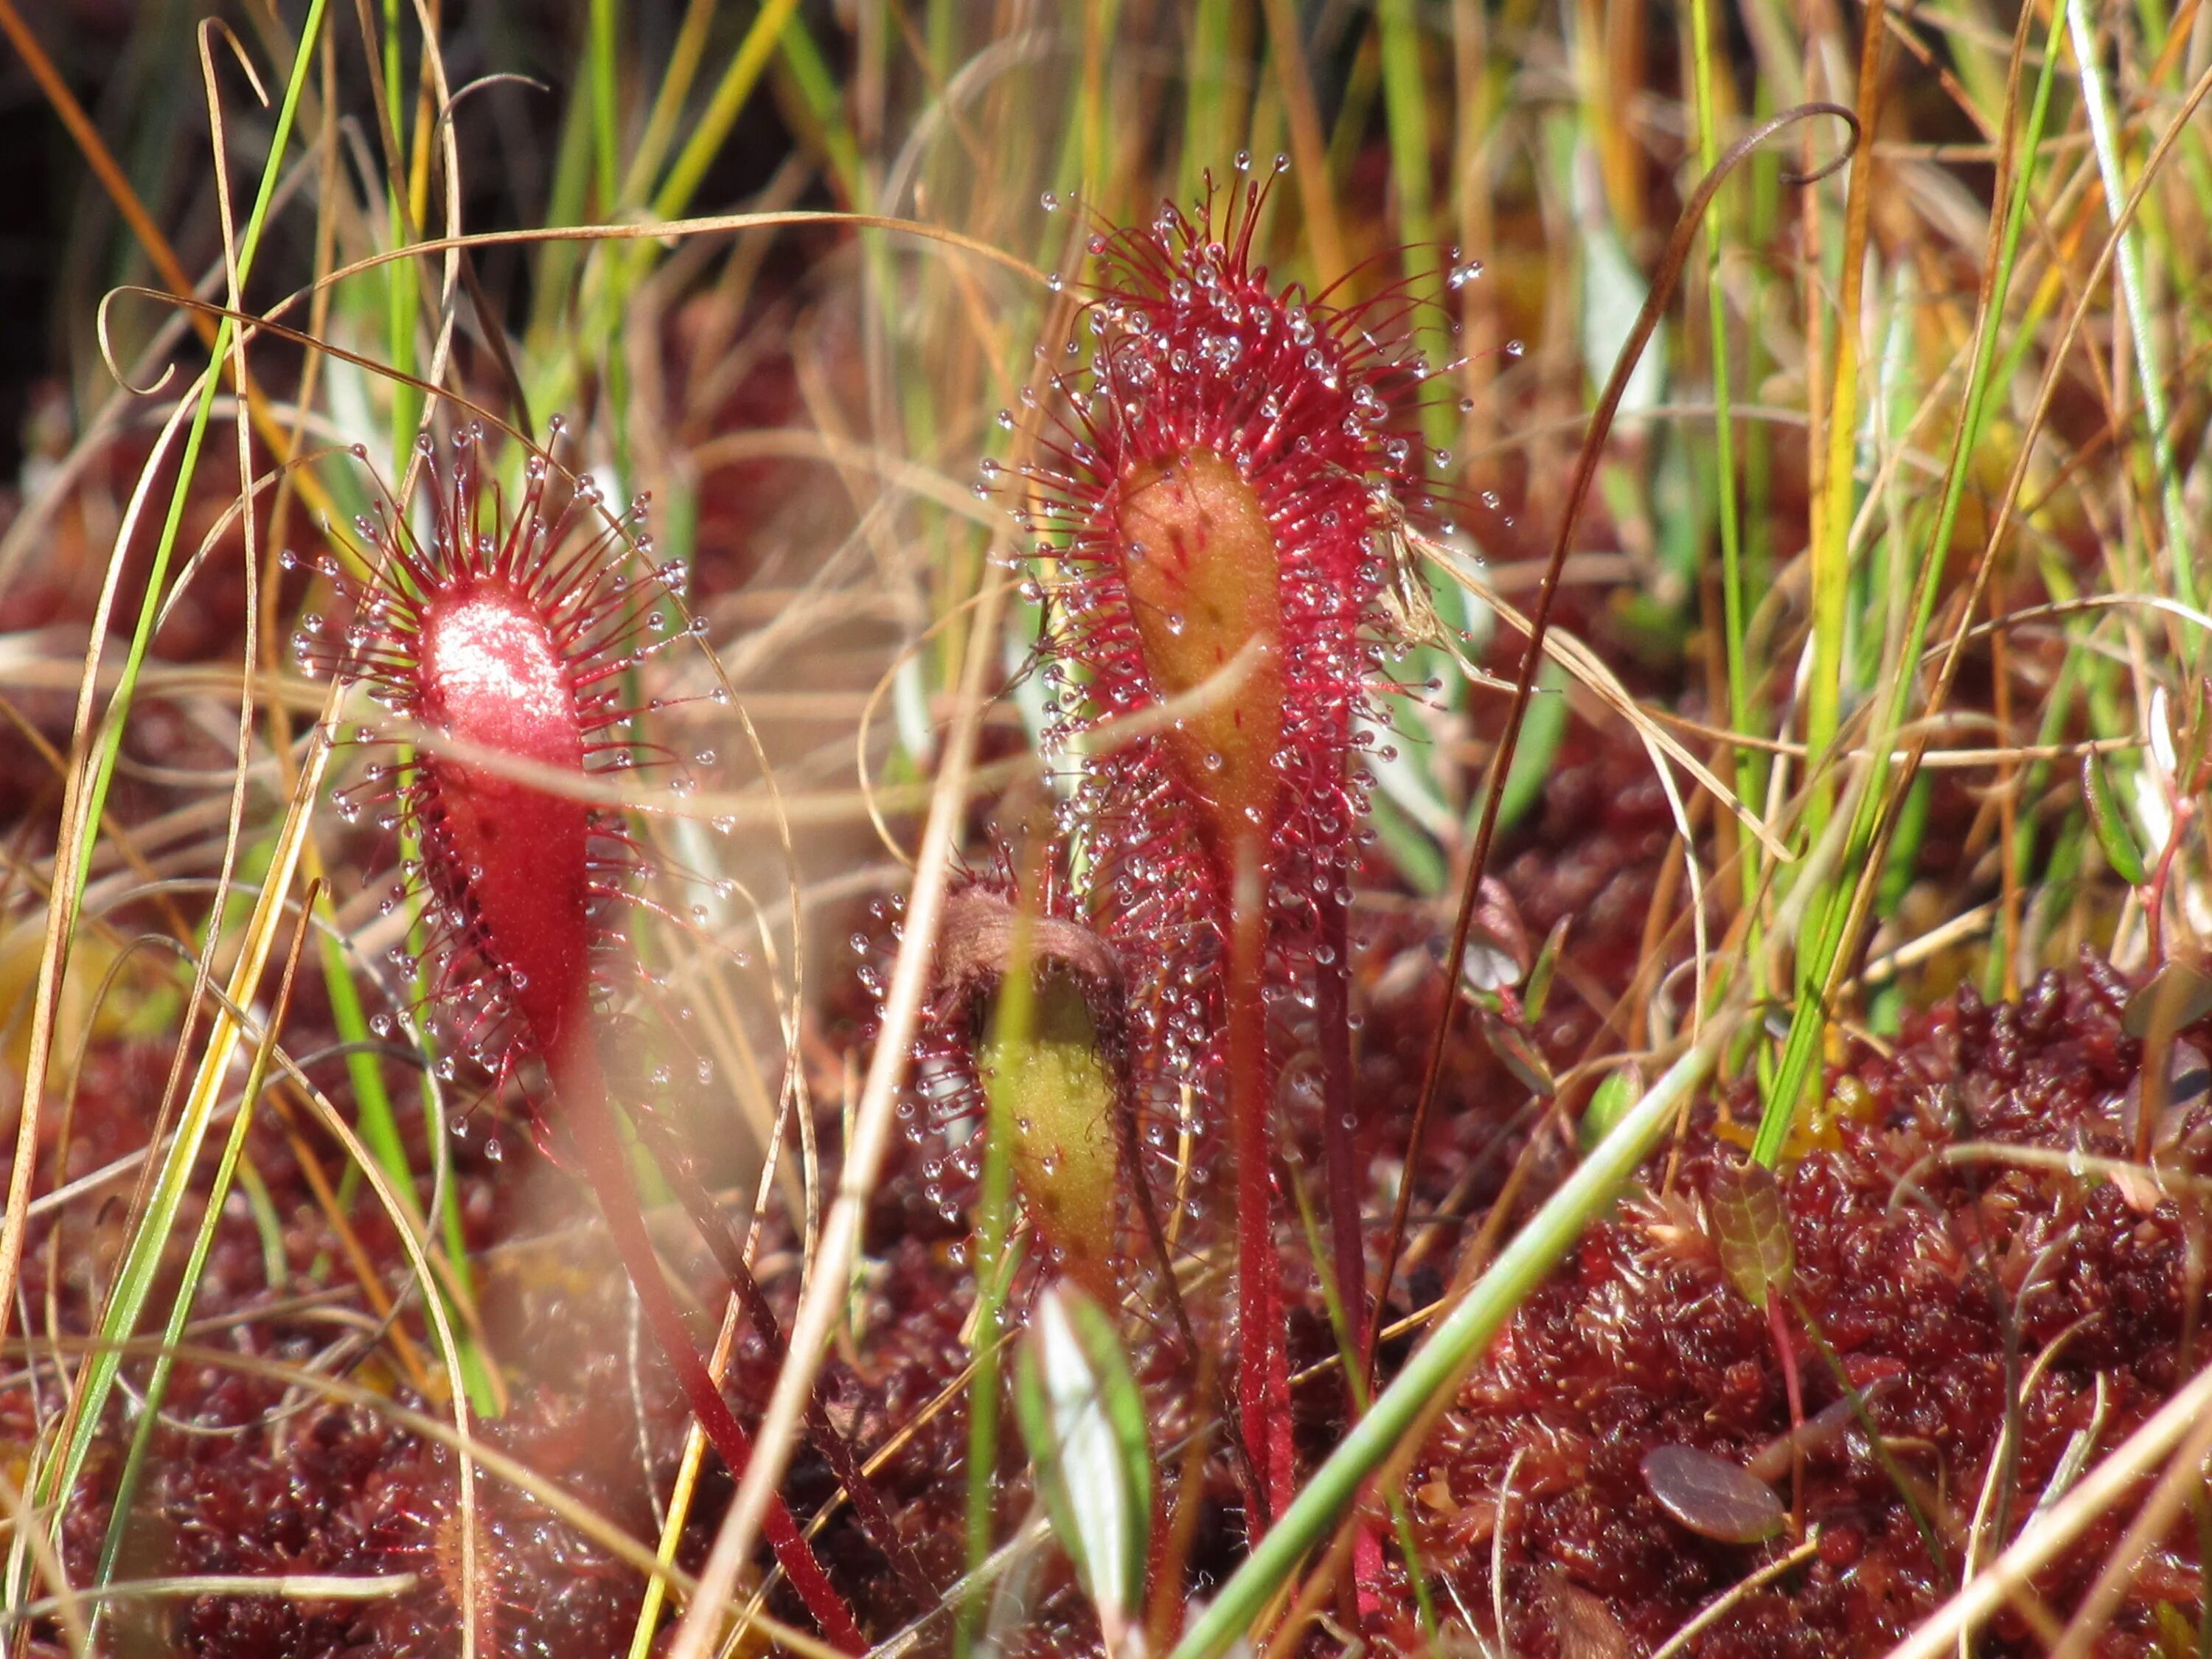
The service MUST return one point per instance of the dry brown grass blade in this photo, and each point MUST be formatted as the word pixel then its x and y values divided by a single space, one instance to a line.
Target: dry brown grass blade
pixel 2004 521
pixel 101 160
pixel 1315 200
pixel 870 1137
pixel 1688 226
pixel 2184 1422
pixel 1590 671
pixel 61 919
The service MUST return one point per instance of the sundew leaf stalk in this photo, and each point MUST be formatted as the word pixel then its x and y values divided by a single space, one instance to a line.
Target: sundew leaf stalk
pixel 1211 501
pixel 508 635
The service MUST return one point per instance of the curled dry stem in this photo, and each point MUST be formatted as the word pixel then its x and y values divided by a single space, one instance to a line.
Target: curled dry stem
pixel 1688 226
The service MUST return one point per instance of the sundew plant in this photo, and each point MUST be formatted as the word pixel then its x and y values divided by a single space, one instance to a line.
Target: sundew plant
pixel 1249 826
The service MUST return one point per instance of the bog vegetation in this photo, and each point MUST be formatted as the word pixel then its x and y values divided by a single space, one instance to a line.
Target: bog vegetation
pixel 1129 828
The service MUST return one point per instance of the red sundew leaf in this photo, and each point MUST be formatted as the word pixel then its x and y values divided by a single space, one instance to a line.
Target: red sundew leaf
pixel 506 634
pixel 1751 1229
pixel 1771 1461
pixel 1712 1497
pixel 1210 477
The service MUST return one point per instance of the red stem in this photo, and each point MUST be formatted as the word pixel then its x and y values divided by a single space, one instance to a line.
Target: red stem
pixel 845 1462
pixel 590 1117
pixel 1340 1168
pixel 1263 1383
pixel 1339 1155
pixel 1779 1325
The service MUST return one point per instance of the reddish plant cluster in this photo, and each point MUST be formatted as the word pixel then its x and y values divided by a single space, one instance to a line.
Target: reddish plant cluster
pixel 1211 504
pixel 503 640
pixel 259 1476
pixel 1215 488
pixel 508 635
pixel 342 1492
pixel 1957 1294
pixel 1214 500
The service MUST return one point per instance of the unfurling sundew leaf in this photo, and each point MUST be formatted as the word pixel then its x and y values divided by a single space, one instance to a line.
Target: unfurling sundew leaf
pixel 1054 1086
pixel 1751 1229
pixel 1538 990
pixel 1609 1103
pixel 2112 832
pixel 1084 1423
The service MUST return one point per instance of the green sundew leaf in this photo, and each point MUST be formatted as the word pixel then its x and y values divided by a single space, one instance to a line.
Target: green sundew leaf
pixel 2178 995
pixel 1751 1229
pixel 1084 1423
pixel 1609 1103
pixel 2113 834
pixel 1055 1088
pixel 1537 991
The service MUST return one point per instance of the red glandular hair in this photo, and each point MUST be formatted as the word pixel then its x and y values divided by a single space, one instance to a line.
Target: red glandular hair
pixel 503 628
pixel 1204 370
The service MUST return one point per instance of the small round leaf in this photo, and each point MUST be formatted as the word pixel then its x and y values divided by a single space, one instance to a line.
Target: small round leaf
pixel 1712 1497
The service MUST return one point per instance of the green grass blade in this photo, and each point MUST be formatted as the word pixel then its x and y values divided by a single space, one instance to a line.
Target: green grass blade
pixel 1012 1020
pixel 180 1307
pixel 606 156
pixel 1436 1366
pixel 673 199
pixel 2096 97
pixel 1750 767
pixel 110 738
pixel 1829 913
